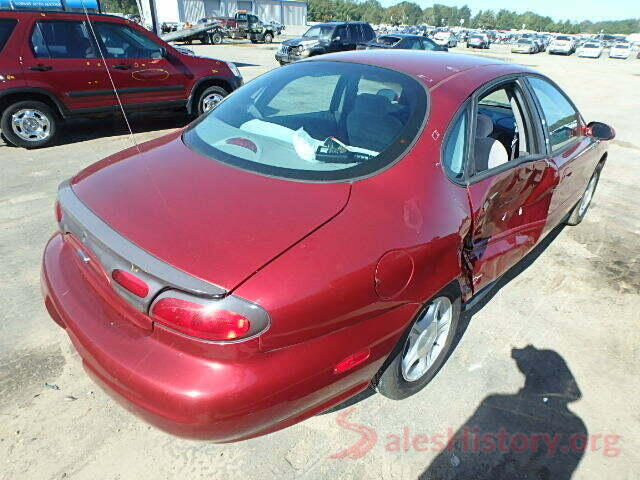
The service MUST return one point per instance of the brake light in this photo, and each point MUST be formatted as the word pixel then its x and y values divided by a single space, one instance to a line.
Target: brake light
pixel 131 283
pixel 58 210
pixel 201 320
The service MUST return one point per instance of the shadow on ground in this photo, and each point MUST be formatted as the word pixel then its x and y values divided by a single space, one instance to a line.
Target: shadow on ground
pixel 530 434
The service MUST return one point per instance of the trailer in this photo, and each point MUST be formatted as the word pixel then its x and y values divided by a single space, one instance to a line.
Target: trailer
pixel 208 33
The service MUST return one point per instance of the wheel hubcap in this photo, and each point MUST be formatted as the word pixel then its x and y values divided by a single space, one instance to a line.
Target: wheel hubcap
pixel 427 339
pixel 210 101
pixel 586 198
pixel 31 125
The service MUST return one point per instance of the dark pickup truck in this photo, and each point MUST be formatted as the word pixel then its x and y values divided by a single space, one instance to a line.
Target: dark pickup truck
pixel 325 38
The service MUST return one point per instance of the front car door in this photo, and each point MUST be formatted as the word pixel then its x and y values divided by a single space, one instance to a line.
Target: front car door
pixel 338 39
pixel 572 152
pixel 140 70
pixel 509 179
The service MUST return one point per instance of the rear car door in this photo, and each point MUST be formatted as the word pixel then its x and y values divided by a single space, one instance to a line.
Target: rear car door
pixel 141 71
pixel 510 181
pixel 60 56
pixel 10 68
pixel 569 148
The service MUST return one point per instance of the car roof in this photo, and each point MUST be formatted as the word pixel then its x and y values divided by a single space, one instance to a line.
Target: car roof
pixel 333 24
pixel 431 68
pixel 401 35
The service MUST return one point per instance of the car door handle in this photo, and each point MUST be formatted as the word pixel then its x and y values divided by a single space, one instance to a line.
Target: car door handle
pixel 122 66
pixel 41 68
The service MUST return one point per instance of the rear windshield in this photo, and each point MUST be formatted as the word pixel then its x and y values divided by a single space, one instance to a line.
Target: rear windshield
pixel 563 38
pixel 314 121
pixel 621 45
pixel 6 27
pixel 592 45
pixel 524 40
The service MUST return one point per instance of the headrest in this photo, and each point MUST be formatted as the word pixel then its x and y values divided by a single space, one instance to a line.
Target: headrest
pixel 484 126
pixel 372 104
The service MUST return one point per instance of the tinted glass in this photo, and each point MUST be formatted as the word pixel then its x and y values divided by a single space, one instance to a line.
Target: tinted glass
pixel 429 44
pixel 368 33
pixel 6 27
pixel 561 118
pixel 298 122
pixel 455 146
pixel 340 32
pixel 322 31
pixel 388 41
pixel 62 40
pixel 121 41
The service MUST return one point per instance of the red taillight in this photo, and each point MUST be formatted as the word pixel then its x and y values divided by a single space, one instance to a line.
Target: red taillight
pixel 200 320
pixel 131 283
pixel 352 361
pixel 58 210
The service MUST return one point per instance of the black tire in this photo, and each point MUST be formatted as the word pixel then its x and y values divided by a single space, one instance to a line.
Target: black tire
pixel 42 109
pixel 579 211
pixel 214 90
pixel 390 381
pixel 267 38
pixel 215 38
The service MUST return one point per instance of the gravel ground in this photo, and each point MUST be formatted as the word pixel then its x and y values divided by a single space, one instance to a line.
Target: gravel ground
pixel 575 299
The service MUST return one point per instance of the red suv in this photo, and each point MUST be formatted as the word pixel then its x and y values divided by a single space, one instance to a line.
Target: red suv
pixel 54 66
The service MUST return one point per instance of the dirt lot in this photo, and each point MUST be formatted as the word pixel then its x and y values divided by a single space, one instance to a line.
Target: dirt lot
pixel 578 296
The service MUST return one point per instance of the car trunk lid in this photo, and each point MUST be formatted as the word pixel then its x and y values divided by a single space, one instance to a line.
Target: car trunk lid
pixel 214 222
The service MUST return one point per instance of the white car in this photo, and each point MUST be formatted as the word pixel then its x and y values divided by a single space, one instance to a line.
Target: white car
pixel 447 39
pixel 620 50
pixel 562 44
pixel 590 50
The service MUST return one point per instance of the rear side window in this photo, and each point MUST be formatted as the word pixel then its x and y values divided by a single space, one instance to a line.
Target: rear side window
pixel 455 146
pixel 62 39
pixel 6 27
pixel 561 118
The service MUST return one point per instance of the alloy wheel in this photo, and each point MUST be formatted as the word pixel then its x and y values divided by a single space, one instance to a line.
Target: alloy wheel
pixel 427 339
pixel 31 125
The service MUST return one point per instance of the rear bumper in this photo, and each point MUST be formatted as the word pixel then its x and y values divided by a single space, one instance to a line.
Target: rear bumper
pixel 200 390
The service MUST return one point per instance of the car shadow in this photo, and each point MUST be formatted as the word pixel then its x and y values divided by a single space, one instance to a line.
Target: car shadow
pixel 83 129
pixel 530 434
pixel 467 315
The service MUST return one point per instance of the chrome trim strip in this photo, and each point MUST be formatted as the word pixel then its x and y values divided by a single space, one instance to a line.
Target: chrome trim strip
pixel 117 252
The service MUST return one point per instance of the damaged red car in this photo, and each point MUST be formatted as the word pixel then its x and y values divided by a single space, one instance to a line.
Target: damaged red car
pixel 318 232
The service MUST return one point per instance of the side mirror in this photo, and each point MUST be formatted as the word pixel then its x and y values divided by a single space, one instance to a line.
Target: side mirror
pixel 336 39
pixel 600 131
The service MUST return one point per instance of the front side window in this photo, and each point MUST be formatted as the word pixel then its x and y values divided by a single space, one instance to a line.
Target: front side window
pixel 6 27
pixel 562 120
pixel 321 31
pixel 121 41
pixel 62 39
pixel 316 121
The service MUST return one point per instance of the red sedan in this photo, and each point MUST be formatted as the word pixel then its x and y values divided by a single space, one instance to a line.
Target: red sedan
pixel 318 232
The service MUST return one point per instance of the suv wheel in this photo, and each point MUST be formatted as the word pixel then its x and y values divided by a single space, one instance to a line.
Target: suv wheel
pixel 210 98
pixel 268 38
pixel 30 124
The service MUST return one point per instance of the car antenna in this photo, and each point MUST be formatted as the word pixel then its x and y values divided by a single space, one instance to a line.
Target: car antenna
pixel 113 85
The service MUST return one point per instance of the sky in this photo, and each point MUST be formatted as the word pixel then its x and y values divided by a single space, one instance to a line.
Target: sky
pixel 575 10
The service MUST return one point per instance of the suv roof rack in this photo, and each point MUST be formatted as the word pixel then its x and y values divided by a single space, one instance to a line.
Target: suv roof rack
pixel 92 6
